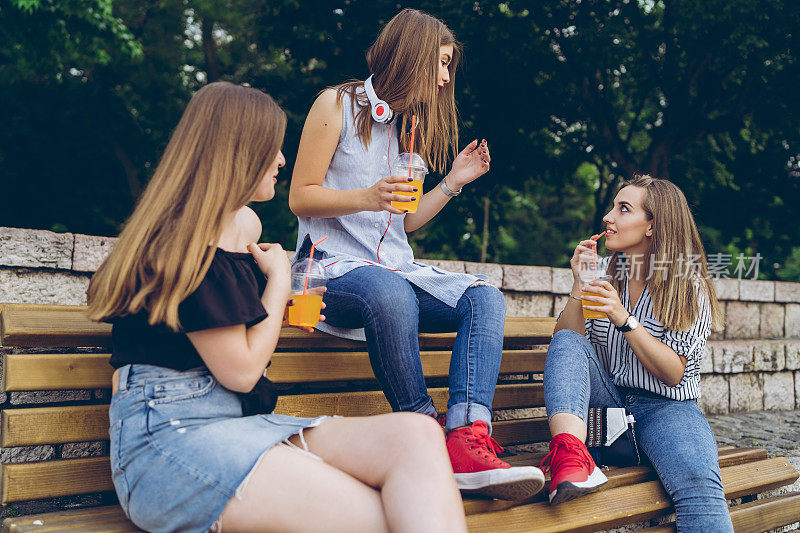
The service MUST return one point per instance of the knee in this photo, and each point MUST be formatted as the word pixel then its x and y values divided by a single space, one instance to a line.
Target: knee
pixel 416 432
pixel 568 341
pixel 484 299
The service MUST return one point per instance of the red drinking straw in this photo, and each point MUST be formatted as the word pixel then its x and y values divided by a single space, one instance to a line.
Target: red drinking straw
pixel 596 238
pixel 310 259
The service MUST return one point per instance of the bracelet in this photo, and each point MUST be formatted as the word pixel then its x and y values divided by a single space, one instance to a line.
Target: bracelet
pixel 447 190
pixel 575 298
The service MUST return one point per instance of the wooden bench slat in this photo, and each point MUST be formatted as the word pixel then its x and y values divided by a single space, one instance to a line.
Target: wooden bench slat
pixel 51 479
pixel 756 516
pixel 291 367
pixel 626 504
pixel 59 424
pixel 364 403
pixel 53 425
pixel 26 372
pixel 67 326
pixel 617 476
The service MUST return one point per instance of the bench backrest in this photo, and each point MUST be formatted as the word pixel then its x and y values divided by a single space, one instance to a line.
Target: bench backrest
pixel 50 348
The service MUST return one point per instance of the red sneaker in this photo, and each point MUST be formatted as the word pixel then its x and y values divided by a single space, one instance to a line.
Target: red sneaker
pixel 473 454
pixel 572 470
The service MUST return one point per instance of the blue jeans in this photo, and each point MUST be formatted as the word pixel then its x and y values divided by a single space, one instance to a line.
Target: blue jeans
pixel 393 311
pixel 674 435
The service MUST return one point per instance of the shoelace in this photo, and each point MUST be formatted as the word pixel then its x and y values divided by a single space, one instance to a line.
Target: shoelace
pixel 573 455
pixel 485 441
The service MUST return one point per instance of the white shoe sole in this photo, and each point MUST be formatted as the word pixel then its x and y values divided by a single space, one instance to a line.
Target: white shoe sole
pixel 515 483
pixel 569 490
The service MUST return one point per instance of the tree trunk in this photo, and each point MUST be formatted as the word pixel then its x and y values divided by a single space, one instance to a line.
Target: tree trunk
pixel 485 239
pixel 131 172
pixel 210 50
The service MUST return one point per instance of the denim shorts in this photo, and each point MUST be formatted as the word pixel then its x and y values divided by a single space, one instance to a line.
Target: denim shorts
pixel 180 447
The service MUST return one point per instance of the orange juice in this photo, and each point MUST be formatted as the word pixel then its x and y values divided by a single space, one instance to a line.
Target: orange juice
pixel 306 309
pixel 411 205
pixel 589 313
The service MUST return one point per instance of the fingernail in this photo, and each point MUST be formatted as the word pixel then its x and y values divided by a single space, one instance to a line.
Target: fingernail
pixel 405 211
pixel 415 189
pixel 410 179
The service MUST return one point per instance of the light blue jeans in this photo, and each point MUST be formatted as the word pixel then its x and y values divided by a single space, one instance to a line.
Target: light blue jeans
pixel 393 311
pixel 674 435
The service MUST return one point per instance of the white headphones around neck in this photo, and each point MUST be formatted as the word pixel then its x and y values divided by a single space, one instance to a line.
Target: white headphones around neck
pixel 381 112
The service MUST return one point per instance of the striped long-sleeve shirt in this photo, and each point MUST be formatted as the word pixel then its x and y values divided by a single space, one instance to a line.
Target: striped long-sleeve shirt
pixel 625 368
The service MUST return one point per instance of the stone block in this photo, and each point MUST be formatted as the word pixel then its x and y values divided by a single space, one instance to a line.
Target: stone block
pixel 772 321
pixel 769 356
pixel 797 390
pixel 727 289
pixel 49 396
pixel 559 304
pixel 793 355
pixel 792 324
pixel 742 321
pixel 527 278
pixel 91 251
pixel 786 291
pixel 715 394
pixel 516 414
pixel 719 334
pixel 562 280
pixel 732 357
pixel 527 304
pixel 492 271
pixel 756 291
pixel 442 264
pixel 26 454
pixel 35 248
pixel 23 285
pixel 747 392
pixel 778 391
pixel 72 450
pixel 706 361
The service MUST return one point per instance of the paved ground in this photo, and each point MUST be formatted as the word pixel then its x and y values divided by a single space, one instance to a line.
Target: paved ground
pixel 777 431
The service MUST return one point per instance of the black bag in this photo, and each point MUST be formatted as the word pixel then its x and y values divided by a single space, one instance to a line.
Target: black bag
pixel 610 437
pixel 261 400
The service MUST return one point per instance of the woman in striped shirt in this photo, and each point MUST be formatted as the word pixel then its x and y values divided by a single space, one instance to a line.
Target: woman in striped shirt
pixel 644 356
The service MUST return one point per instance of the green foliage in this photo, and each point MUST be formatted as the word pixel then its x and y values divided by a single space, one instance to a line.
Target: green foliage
pixel 572 97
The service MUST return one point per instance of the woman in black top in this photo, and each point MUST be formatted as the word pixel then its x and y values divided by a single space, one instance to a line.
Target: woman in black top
pixel 197 309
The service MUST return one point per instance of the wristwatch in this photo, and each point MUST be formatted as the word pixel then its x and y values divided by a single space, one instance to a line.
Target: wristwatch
pixel 630 324
pixel 446 189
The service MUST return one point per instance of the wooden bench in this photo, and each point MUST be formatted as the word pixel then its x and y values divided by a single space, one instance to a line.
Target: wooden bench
pixel 58 348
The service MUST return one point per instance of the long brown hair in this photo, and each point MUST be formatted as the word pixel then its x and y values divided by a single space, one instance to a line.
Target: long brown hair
pixel 404 63
pixel 677 247
pixel 221 149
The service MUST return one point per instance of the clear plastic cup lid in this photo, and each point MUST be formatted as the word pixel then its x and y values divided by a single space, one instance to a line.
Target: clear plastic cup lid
pixel 415 161
pixel 301 268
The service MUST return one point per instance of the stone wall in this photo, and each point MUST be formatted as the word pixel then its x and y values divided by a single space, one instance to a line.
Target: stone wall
pixel 753 364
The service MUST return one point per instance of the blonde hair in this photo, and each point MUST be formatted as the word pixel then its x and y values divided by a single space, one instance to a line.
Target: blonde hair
pixel 404 63
pixel 677 286
pixel 218 154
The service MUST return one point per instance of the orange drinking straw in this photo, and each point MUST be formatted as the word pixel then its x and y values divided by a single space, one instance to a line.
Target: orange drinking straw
pixel 311 258
pixel 595 239
pixel 411 148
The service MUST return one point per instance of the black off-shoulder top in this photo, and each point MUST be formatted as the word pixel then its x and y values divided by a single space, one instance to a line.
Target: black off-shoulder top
pixel 229 294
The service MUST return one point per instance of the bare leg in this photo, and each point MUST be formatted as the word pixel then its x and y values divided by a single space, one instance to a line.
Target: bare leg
pixel 402 454
pixel 568 423
pixel 291 491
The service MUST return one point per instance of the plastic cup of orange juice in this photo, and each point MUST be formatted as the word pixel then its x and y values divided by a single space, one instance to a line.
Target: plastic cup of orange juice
pixel 413 166
pixel 589 271
pixel 308 285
